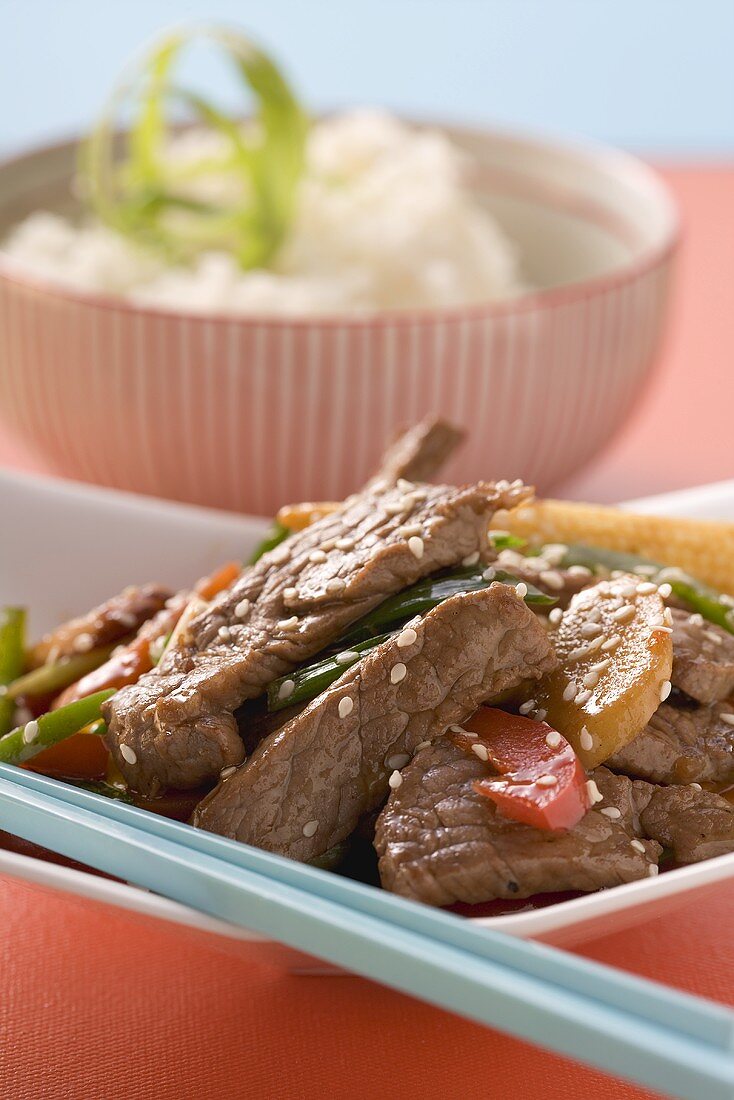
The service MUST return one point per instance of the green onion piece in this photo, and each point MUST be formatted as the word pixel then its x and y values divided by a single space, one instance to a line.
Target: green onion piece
pixel 12 659
pixel 503 540
pixel 277 534
pixel 699 597
pixel 310 681
pixel 134 186
pixel 50 679
pixel 107 790
pixel 27 741
pixel 427 594
pixel 331 859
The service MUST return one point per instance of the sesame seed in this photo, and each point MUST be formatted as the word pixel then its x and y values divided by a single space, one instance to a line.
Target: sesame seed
pixel 415 545
pixel 290 593
pixel 645 570
pixel 288 624
pixel 409 529
pixel 638 845
pixel 226 772
pixel 286 689
pixel 646 588
pixel 623 614
pixel 714 637
pixel 668 617
pixel 553 739
pixel 336 584
pixel 665 590
pixel 480 751
pixel 280 555
pixel 3 690
pixel 585 739
pixel 394 508
pixel 579 653
pixel 309 829
pixel 128 754
pixel 405 486
pixel 345 544
pixel 611 812
pixel 224 634
pixel 242 608
pixel 590 630
pixel 593 792
pixel 346 657
pixel 628 591
pixel 591 679
pixel 579 571
pixel 696 786
pixel 398 672
pixel 521 589
pixel 555 552
pixel 611 643
pixel 540 715
pixel 397 761
pixel 395 780
pixel 460 729
pixel 653 870
pixel 552 579
pixel 728 717
pixel 546 781
pixel 570 691
pixel 406 637
pixel 664 629
pixel 471 559
pixel 502 485
pixel 601 666
pixel 328 544
pixel 317 556
pixel 422 745
pixel 346 706
pixel 665 690
pixel 489 574
pixel 30 732
pixel 696 619
pixel 555 616
pixel 583 697
pixel 525 708
pixel 83 643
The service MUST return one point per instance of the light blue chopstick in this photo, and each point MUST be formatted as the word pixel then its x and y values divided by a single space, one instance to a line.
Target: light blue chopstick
pixel 663 1039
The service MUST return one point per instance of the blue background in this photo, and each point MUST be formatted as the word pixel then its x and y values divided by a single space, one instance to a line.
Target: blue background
pixel 652 75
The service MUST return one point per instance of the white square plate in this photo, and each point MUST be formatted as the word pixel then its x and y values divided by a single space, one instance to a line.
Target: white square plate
pixel 65 547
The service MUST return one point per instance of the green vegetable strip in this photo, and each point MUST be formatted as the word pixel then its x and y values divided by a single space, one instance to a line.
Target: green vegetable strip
pixel 427 594
pixel 12 659
pixel 120 794
pixel 311 680
pixel 697 596
pixel 50 679
pixel 274 537
pixel 27 741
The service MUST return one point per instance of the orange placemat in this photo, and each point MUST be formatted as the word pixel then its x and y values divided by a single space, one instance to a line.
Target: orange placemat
pixel 94 1004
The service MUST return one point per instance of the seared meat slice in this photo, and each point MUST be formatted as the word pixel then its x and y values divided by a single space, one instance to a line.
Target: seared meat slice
pixel 121 615
pixel 694 824
pixel 440 842
pixel 306 786
pixel 703 658
pixel 681 744
pixel 418 453
pixel 546 575
pixel 175 727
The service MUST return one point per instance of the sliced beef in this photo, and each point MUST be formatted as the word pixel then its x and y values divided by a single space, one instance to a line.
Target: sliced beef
pixel 440 842
pixel 117 617
pixel 694 824
pixel 418 453
pixel 682 744
pixel 703 658
pixel 175 727
pixel 305 788
pixel 546 574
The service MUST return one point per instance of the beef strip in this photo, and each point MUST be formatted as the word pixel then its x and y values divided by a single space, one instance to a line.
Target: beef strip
pixel 681 744
pixel 440 842
pixel 306 787
pixel 418 453
pixel 703 658
pixel 546 575
pixel 692 823
pixel 175 727
pixel 117 617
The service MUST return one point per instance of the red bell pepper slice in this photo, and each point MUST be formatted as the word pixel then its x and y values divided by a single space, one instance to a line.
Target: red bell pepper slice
pixel 541 780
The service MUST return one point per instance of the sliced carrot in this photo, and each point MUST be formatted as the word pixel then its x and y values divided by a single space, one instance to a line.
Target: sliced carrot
pixel 208 587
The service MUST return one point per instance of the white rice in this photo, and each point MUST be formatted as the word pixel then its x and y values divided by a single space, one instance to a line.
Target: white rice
pixel 384 221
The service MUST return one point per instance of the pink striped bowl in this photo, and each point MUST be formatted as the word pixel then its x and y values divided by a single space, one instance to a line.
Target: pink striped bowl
pixel 248 413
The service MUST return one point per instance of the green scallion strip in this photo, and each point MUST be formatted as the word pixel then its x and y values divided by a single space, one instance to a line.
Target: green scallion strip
pixel 27 741
pixel 12 659
pixel 107 790
pixel 50 679
pixel 306 683
pixel 694 594
pixel 277 534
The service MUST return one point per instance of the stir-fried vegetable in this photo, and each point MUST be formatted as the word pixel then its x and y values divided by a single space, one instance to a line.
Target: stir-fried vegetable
pixel 84 755
pixel 49 679
pixel 12 659
pixel 107 790
pixel 277 534
pixel 713 605
pixel 308 682
pixel 541 781
pixel 147 195
pixel 27 741
pixel 427 594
